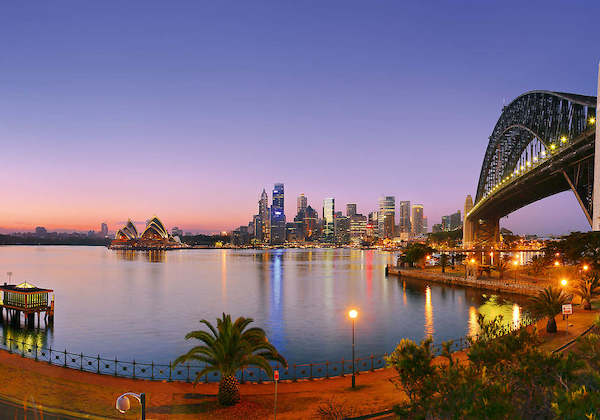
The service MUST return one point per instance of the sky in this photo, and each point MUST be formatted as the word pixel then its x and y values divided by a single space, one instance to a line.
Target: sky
pixel 188 109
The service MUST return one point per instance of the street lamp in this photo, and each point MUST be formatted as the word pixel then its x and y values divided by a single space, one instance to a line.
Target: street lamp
pixel 556 263
pixel 123 404
pixel 586 267
pixel 353 313
pixel 563 282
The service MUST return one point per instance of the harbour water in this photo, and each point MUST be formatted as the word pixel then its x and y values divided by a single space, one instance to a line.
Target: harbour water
pixel 139 305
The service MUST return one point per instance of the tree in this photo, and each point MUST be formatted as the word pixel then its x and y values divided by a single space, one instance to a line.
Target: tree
pixel 228 348
pixel 414 253
pixel 501 266
pixel 587 289
pixel 443 262
pixel 548 303
pixel 536 265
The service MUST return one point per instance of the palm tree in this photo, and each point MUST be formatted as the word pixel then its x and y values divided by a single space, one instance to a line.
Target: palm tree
pixel 228 348
pixel 587 288
pixel 548 303
pixel 443 262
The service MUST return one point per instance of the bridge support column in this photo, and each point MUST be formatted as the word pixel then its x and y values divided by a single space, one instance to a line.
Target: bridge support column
pixel 596 193
pixel 481 233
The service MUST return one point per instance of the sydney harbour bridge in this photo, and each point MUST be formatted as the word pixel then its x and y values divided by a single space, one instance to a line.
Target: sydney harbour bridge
pixel 543 143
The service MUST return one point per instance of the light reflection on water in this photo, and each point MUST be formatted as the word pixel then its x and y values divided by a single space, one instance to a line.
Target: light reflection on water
pixel 133 304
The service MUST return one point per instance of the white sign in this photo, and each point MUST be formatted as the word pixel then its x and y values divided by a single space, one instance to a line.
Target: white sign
pixel 276 375
pixel 567 309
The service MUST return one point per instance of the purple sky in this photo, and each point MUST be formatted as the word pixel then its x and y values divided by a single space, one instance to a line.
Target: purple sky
pixel 116 110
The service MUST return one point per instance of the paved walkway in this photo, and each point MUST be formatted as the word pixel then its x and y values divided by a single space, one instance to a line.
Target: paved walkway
pixel 82 392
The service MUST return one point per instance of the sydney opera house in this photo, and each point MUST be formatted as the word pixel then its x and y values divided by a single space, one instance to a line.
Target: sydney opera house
pixel 154 236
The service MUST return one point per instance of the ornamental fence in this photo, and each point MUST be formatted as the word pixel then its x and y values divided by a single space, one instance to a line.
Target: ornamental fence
pixel 187 372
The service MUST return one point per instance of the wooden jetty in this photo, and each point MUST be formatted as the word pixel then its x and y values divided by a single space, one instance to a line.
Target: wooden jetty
pixel 28 300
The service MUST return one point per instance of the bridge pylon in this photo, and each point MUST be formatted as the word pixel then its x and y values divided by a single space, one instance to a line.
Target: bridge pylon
pixel 481 233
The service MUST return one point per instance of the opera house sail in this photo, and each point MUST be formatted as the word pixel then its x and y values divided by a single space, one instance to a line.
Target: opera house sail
pixel 154 236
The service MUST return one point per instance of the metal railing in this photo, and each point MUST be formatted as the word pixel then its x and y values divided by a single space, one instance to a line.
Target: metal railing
pixel 187 372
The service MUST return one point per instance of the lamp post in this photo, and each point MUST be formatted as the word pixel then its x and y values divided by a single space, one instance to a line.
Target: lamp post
pixel 353 313
pixel 123 404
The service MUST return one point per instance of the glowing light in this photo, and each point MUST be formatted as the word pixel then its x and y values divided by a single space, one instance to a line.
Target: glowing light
pixel 563 139
pixel 586 268
pixel 515 262
pixel 592 120
pixel 428 257
pixel 556 263
pixel 353 313
pixel 472 260
pixel 535 159
pixel 563 282
pixel 553 146
pixel 544 153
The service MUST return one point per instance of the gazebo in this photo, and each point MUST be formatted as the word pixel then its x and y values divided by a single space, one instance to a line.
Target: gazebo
pixel 27 299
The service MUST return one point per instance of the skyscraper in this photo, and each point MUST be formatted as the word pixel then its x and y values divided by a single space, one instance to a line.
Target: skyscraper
pixel 385 221
pixel 278 216
pixel 328 219
pixel 104 230
pixel 416 221
pixel 264 229
pixel 404 216
pixel 301 203
pixel 350 210
pixel 342 229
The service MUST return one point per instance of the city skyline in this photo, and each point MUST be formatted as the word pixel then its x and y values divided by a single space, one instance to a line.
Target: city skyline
pixel 97 136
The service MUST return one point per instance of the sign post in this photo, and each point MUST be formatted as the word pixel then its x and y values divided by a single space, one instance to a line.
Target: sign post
pixel 566 311
pixel 276 378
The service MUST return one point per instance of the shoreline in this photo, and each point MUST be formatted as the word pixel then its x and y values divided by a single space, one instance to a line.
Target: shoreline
pixel 500 286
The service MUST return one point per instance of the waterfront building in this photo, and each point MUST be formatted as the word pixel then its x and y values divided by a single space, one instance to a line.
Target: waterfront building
pixel 311 225
pixel 350 210
pixel 301 203
pixel 176 231
pixel 104 230
pixel 41 231
pixel 278 216
pixel 404 216
pixel 240 236
pixel 155 235
pixel 263 214
pixel 425 225
pixel 342 230
pixel 437 227
pixel 328 219
pixel 358 227
pixel 416 221
pixel 385 216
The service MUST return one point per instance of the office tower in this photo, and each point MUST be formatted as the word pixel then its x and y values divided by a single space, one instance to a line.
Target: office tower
pixel 342 229
pixel 404 216
pixel 437 228
pixel 373 216
pixel 385 221
pixel 328 219
pixel 176 231
pixel 104 230
pixel 264 225
pixel 358 227
pixel 468 204
pixel 455 220
pixel 416 221
pixel 301 203
pixel 350 210
pixel 425 226
pixel 311 228
pixel 445 223
pixel 40 231
pixel 278 216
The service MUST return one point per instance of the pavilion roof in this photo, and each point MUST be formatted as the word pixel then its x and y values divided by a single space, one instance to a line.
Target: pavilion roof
pixel 23 288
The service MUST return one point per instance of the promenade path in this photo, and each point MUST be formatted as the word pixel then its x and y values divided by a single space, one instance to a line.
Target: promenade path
pixel 25 381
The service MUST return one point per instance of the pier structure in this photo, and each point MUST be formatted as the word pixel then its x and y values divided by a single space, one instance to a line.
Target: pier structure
pixel 28 300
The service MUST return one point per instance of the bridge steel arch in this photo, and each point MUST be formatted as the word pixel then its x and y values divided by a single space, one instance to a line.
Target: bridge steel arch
pixel 542 144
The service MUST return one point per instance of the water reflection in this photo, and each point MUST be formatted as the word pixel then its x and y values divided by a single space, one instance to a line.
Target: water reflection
pixel 429 330
pixel 22 339
pixel 155 256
